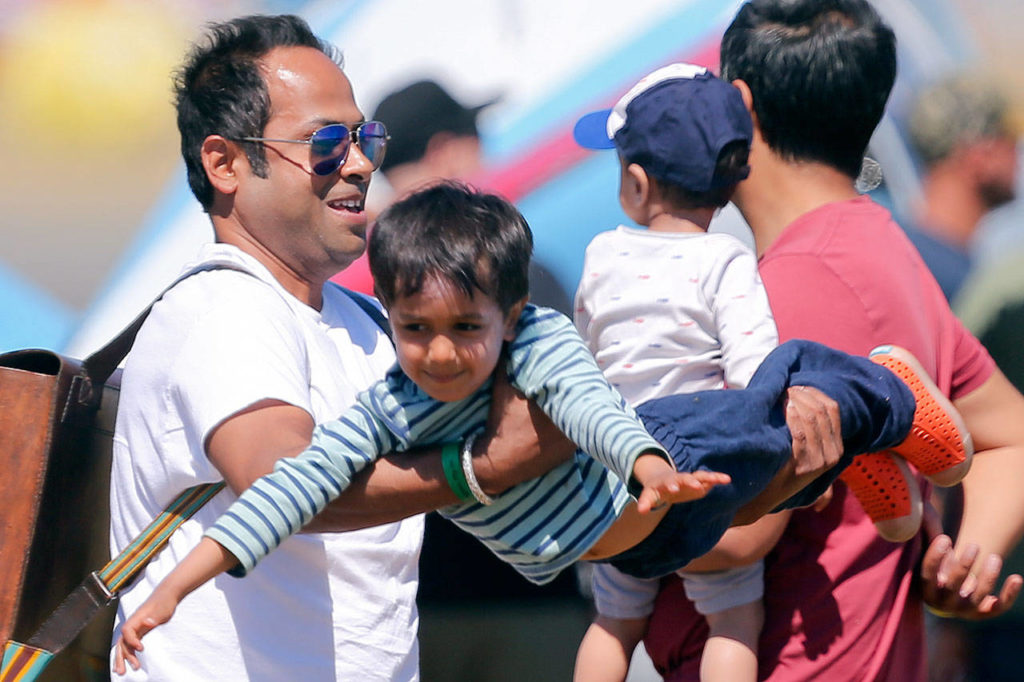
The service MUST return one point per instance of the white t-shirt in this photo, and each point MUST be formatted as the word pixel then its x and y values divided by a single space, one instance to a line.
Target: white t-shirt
pixel 667 313
pixel 322 607
pixel 673 312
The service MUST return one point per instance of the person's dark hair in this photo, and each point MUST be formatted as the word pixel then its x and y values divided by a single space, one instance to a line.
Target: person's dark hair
pixel 820 72
pixel 730 169
pixel 220 89
pixel 473 239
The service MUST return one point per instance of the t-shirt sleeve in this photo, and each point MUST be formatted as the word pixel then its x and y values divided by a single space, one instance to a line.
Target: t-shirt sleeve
pixel 743 319
pixel 974 365
pixel 551 365
pixel 238 354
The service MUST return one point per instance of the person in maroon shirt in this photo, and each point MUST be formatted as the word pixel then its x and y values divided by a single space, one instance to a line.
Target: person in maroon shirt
pixel 841 603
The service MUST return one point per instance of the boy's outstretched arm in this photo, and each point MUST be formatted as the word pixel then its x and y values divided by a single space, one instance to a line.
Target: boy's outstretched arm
pixel 664 485
pixel 206 561
pixel 607 649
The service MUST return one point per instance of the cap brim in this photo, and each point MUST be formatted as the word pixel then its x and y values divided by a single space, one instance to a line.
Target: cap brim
pixel 591 130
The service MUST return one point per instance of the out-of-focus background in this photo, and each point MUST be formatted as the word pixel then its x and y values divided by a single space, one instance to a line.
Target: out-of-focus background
pixel 96 218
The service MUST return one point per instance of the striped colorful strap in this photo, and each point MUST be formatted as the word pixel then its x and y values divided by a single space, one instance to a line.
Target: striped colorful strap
pixel 22 663
pixel 126 565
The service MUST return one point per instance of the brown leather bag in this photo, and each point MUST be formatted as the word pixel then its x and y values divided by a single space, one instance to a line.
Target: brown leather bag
pixel 56 424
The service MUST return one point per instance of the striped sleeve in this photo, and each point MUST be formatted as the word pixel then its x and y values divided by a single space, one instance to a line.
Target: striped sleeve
pixel 551 364
pixel 283 501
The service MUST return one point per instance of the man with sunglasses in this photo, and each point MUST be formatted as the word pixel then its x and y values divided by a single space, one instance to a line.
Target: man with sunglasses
pixel 239 360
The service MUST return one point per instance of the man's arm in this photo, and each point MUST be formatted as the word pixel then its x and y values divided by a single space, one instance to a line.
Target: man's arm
pixel 520 443
pixel 961 580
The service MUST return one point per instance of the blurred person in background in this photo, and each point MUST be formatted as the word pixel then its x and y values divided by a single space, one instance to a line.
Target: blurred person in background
pixel 433 136
pixel 991 305
pixel 961 130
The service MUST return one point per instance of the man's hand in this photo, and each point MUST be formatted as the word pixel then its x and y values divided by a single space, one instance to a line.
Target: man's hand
pixel 956 584
pixel 519 443
pixel 813 421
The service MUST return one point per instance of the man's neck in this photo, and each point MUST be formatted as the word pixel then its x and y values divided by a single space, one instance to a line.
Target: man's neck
pixel 306 289
pixel 779 191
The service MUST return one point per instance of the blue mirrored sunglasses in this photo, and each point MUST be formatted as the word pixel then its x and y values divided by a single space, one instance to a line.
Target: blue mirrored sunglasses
pixel 328 146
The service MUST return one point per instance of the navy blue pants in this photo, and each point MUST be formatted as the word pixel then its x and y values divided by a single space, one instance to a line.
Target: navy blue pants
pixel 742 432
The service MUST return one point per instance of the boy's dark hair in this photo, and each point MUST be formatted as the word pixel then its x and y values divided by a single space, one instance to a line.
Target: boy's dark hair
pixel 820 72
pixel 730 169
pixel 220 89
pixel 473 239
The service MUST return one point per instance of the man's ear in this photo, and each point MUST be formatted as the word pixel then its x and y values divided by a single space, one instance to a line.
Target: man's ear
pixel 748 99
pixel 219 157
pixel 513 318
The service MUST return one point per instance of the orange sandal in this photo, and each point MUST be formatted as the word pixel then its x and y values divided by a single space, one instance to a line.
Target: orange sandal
pixel 939 445
pixel 884 486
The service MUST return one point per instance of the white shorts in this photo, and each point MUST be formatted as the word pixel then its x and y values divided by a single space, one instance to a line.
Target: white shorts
pixel 720 590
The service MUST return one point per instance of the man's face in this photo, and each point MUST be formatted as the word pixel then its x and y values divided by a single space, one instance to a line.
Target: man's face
pixel 315 225
pixel 447 342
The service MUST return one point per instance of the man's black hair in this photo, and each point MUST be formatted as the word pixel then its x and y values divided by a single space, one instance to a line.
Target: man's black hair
pixel 221 90
pixel 476 240
pixel 820 72
pixel 730 169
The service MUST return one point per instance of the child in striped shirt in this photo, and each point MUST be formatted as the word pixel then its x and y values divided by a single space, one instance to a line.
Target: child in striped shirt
pixel 450 265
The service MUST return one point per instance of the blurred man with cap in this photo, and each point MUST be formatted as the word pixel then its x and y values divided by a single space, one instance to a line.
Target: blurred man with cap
pixel 961 131
pixel 434 136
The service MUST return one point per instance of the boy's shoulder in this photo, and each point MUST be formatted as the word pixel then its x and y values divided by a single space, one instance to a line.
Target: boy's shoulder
pixel 730 241
pixel 535 317
pixel 542 328
pixel 608 236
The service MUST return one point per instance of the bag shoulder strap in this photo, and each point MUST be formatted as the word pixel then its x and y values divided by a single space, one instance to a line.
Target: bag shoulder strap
pixel 364 302
pixel 99 366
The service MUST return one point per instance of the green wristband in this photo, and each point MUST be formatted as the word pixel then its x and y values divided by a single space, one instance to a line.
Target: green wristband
pixel 453 471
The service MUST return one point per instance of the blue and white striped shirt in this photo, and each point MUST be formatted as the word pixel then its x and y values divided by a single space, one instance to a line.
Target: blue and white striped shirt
pixel 539 527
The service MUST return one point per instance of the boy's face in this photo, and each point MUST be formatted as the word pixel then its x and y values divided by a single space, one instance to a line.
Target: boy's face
pixel 447 342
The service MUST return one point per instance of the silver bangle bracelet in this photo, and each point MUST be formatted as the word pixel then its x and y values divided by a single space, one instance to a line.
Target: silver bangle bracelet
pixel 467 469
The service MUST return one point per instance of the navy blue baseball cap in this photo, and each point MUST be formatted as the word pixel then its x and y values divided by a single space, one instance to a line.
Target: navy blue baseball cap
pixel 674 123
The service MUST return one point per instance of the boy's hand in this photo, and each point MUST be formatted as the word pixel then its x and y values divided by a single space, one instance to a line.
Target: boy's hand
pixel 664 485
pixel 155 611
